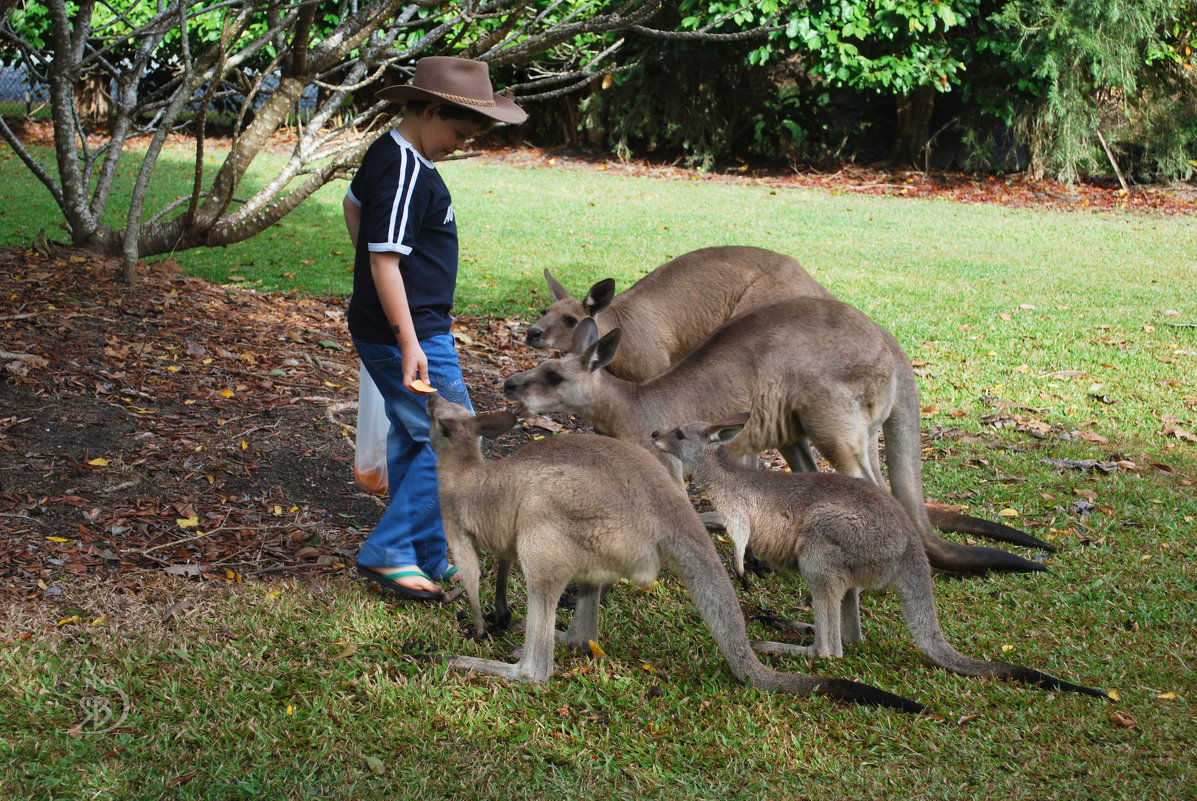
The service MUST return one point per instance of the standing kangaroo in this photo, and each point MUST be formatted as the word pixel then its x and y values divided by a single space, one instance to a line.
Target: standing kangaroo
pixel 668 311
pixel 842 534
pixel 595 510
pixel 809 370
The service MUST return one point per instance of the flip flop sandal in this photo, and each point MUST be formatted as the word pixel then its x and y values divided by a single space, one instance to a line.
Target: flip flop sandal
pixel 388 583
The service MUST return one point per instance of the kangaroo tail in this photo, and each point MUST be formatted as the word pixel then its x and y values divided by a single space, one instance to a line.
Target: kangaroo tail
pixel 903 455
pixel 845 690
pixel 918 607
pixel 694 557
pixel 957 558
pixel 965 524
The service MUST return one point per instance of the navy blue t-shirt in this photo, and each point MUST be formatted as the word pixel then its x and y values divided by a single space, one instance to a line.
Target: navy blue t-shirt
pixel 406 209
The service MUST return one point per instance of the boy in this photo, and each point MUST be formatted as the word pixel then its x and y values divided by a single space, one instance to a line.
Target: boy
pixel 400 219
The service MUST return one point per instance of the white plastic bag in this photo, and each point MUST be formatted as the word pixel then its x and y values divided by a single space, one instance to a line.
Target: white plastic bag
pixel 370 448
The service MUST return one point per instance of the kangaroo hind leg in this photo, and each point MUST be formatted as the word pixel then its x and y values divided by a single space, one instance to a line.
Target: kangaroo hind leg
pixel 828 591
pixel 850 617
pixel 846 443
pixel 536 654
pixel 584 626
pixel 799 457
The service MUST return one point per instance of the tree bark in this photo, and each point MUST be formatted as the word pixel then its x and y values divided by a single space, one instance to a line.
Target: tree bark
pixel 914 126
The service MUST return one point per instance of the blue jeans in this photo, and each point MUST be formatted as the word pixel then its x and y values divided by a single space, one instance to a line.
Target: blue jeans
pixel 410 531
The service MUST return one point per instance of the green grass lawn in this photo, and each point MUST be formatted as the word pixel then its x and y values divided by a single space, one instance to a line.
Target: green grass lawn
pixel 1038 335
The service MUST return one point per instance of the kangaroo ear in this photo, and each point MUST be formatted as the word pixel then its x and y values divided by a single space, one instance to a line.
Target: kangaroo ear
pixel 494 424
pixel 599 297
pixel 602 352
pixel 555 289
pixel 726 430
pixel 585 335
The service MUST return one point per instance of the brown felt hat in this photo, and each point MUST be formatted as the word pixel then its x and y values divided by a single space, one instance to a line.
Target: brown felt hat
pixel 459 82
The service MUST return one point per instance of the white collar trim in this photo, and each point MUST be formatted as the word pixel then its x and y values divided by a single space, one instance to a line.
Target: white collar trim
pixel 399 140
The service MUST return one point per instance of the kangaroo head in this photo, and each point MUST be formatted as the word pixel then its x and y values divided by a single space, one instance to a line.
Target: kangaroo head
pixel 686 442
pixel 555 329
pixel 570 382
pixel 455 426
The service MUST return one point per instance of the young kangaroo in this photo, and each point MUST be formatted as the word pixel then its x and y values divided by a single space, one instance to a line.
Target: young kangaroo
pixel 809 370
pixel 842 534
pixel 595 510
pixel 668 311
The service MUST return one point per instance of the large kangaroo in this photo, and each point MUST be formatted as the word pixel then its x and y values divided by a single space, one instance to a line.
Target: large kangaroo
pixel 842 534
pixel 595 510
pixel 668 311
pixel 808 369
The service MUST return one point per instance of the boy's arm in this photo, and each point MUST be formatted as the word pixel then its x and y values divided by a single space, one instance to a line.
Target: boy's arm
pixel 353 218
pixel 393 297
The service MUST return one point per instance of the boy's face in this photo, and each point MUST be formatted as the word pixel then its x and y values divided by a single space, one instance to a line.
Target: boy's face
pixel 440 136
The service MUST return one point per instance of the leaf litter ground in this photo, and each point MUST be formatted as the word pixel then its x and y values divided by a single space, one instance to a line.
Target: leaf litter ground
pixel 185 428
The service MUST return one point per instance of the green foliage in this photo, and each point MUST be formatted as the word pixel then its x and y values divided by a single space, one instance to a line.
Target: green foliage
pixel 1104 66
pixel 889 46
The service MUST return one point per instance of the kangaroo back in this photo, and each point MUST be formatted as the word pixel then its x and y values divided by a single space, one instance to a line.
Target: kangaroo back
pixel 670 309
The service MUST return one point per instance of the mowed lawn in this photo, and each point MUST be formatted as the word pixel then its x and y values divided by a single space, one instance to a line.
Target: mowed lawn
pixel 1046 342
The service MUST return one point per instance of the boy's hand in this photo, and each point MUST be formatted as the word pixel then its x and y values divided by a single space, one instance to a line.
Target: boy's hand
pixel 415 366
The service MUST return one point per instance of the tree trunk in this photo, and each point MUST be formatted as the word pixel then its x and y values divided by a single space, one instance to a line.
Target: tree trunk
pixel 914 126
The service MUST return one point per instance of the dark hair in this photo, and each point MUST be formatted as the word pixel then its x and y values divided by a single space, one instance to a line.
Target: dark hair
pixel 449 111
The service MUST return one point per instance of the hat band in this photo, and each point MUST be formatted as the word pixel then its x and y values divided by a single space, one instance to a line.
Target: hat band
pixel 465 101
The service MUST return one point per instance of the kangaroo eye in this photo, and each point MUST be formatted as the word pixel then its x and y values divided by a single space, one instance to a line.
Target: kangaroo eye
pixel 553 378
pixel 570 322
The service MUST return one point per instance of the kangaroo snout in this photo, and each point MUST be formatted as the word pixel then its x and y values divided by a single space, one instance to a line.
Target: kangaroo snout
pixel 510 387
pixel 533 336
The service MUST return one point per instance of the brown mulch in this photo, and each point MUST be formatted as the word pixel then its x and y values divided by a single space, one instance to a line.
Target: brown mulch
pixel 1013 190
pixel 185 428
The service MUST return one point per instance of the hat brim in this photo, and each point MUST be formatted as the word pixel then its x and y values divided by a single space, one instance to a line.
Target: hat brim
pixel 504 110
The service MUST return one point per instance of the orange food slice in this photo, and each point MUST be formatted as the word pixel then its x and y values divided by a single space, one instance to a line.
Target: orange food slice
pixel 421 386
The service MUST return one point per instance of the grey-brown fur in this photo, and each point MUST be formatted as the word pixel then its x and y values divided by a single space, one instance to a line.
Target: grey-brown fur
pixel 842 534
pixel 809 370
pixel 668 311
pixel 591 509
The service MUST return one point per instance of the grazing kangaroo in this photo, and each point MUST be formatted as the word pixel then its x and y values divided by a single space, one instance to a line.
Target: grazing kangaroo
pixel 842 534
pixel 808 369
pixel 668 311
pixel 596 510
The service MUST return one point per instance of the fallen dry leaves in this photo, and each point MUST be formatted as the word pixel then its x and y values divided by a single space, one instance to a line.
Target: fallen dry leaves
pixel 181 427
